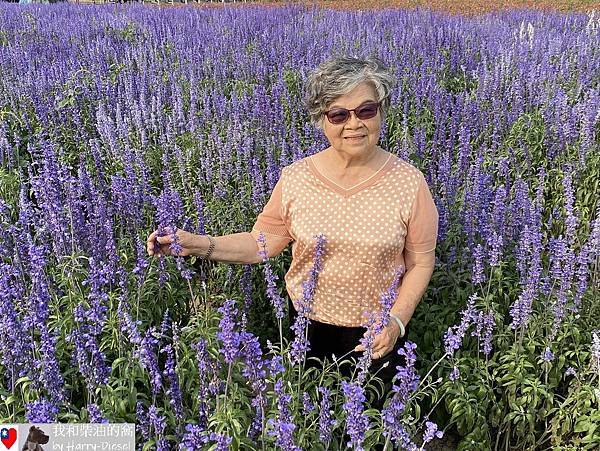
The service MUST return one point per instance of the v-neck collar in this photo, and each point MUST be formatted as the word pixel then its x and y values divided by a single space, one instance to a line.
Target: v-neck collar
pixel 347 192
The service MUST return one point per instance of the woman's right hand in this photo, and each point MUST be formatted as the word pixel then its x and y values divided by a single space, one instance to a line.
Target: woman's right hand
pixel 161 245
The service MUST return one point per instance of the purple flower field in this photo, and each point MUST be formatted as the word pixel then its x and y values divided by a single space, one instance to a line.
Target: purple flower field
pixel 115 120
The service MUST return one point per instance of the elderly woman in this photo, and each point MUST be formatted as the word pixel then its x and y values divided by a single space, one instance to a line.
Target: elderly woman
pixel 374 209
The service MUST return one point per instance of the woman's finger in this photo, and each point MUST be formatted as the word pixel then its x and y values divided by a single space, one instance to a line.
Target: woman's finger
pixel 150 243
pixel 381 352
pixel 167 239
pixel 151 238
pixel 378 354
pixel 377 342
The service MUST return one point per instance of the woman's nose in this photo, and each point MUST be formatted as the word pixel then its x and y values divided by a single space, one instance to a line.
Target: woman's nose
pixel 353 120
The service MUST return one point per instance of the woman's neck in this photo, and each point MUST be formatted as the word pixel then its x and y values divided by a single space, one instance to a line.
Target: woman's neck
pixel 343 160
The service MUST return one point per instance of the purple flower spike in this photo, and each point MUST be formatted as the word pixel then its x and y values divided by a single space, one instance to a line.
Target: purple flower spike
pixel 283 427
pixel 406 382
pixel 357 422
pixel 454 374
pixel 300 346
pixel 431 432
pixel 41 411
pixel 271 279
pixel 326 422
pixel 95 414
pixel 547 355
pixel 454 335
pixel 227 331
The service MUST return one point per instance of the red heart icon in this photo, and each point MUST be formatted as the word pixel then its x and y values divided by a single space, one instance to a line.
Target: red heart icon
pixel 9 437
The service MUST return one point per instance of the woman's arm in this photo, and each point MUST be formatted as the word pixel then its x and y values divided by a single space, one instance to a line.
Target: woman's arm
pixel 419 267
pixel 241 248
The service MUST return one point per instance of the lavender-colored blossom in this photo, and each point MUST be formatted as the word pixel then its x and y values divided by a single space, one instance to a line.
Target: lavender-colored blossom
pixel 127 325
pixel 301 345
pixel 222 441
pixel 246 287
pixel 520 310
pixel 283 427
pixel 194 438
pixel 405 383
pixel 158 423
pixel 257 425
pixel 484 328
pixel 357 422
pixel 207 375
pixel 271 278
pixel 255 369
pixel 142 424
pixel 201 222
pixel 595 357
pixel 454 335
pixel 41 411
pixel 562 265
pixel 307 404
pixel 547 355
pixel 388 298
pixel 570 371
pixel 48 366
pixel 570 219
pixel 494 244
pixel 141 262
pixel 276 366
pixel 197 438
pixel 90 321
pixel 454 374
pixel 228 335
pixel 95 415
pixel 174 390
pixel 366 341
pixel 147 353
pixel 169 211
pixel 326 420
pixel 255 366
pixel 16 344
pixel 478 264
pixel 431 432
pixel 376 322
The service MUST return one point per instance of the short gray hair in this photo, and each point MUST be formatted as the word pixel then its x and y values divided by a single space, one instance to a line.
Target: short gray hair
pixel 338 76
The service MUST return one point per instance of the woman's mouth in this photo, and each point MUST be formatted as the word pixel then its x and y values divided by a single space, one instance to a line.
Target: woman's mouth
pixel 354 138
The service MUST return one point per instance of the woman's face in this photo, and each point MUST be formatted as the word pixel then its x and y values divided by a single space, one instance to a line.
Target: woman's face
pixel 366 131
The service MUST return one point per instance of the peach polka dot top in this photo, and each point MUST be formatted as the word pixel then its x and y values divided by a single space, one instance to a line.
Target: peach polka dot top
pixel 367 228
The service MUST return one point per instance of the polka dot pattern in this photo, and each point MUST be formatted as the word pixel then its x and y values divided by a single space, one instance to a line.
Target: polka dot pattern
pixel 365 230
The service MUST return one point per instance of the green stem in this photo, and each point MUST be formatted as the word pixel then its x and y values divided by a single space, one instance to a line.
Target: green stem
pixel 227 383
pixel 280 337
pixel 432 368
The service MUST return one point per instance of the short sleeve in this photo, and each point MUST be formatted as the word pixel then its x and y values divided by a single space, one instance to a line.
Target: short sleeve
pixel 270 220
pixel 421 235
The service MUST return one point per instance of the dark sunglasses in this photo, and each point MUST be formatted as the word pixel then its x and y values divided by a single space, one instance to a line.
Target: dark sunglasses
pixel 341 115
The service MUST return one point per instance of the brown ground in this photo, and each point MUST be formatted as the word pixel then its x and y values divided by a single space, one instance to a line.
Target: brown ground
pixel 465 7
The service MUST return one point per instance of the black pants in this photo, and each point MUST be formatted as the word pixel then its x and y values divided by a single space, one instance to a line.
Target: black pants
pixel 327 339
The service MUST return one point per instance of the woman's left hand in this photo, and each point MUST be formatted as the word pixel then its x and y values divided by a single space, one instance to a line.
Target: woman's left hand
pixel 383 342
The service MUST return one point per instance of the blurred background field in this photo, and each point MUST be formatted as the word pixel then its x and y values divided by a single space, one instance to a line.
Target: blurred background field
pixel 466 7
